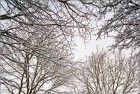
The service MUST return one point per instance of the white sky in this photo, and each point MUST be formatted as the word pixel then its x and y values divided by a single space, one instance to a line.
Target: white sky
pixel 85 49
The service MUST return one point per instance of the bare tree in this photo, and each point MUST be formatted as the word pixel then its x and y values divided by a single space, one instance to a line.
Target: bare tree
pixel 35 40
pixel 124 21
pixel 42 67
pixel 61 14
pixel 102 75
pixel 61 19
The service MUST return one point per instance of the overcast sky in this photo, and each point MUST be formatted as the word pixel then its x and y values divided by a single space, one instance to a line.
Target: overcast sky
pixel 85 49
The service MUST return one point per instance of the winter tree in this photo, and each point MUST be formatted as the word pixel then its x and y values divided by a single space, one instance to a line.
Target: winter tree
pixel 123 21
pixel 35 41
pixel 30 71
pixel 103 75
